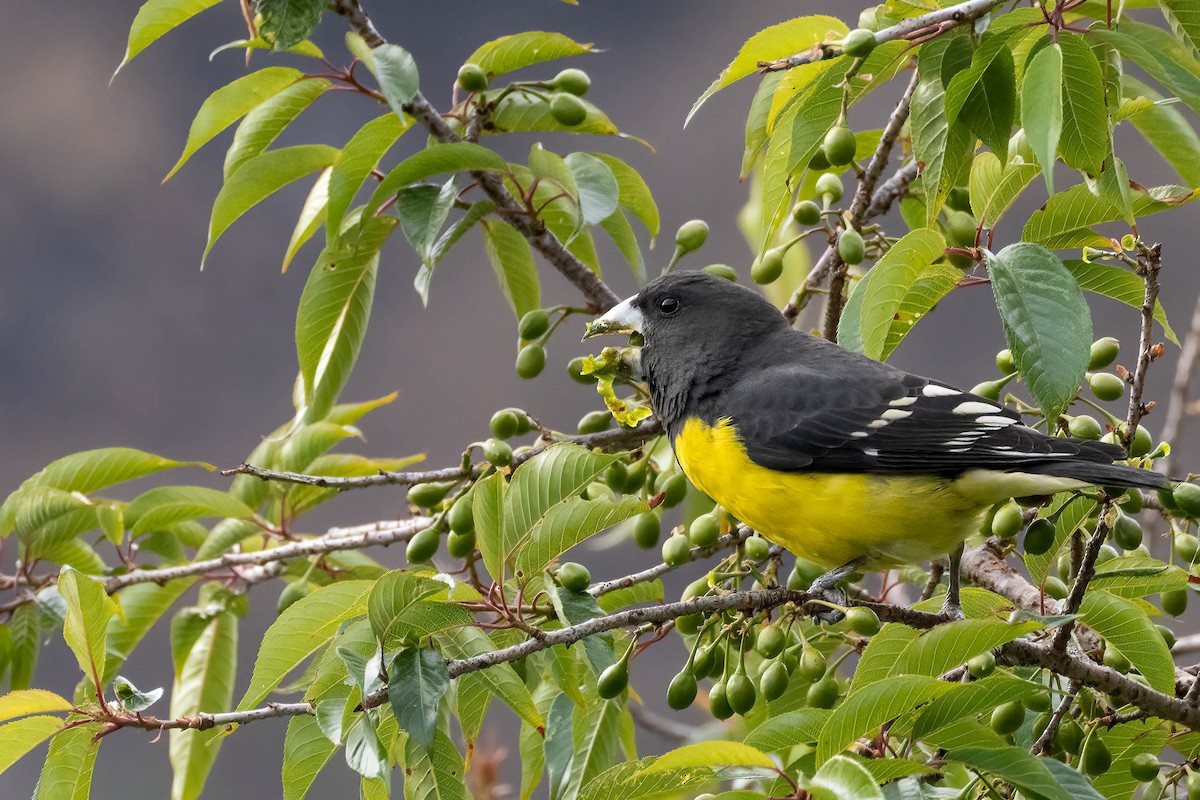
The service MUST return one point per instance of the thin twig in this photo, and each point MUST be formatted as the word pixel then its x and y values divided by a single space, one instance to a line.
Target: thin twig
pixel 1149 262
pixel 1087 569
pixel 1042 745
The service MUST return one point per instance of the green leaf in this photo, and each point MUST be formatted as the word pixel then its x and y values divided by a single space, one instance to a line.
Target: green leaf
pixel 1184 18
pixel 305 48
pixel 841 777
pixel 642 780
pixel 1125 742
pixel 258 179
pixel 1161 63
pixel 635 196
pixel 944 647
pixel 890 282
pixel 89 609
pixel 434 160
pixel 487 506
pixel 333 314
pixel 396 72
pixel 994 188
pixel 305 752
pixel 25 626
pixel 156 18
pixel 1066 218
pixel 990 106
pixel 597 744
pixel 756 121
pixel 1046 322
pixel 870 707
pixel 230 103
pixel 312 216
pixel 359 157
pixel 934 282
pixel 18 738
pixel 1137 575
pixel 164 506
pixel 970 699
pixel 567 524
pixel 288 22
pixel 500 679
pixel 521 112
pixel 574 608
pixel 417 681
pixel 24 702
pixel 434 773
pixel 559 744
pixel 780 733
pixel 395 595
pixel 980 749
pixel 1125 626
pixel 67 771
pixel 204 682
pixel 422 211
pixel 300 631
pixel 617 226
pixel 365 754
pixel 944 149
pixel 477 211
pixel 1085 141
pixel 1118 284
pixel 512 261
pixel 778 41
pixel 519 50
pixel 710 754
pixel 1042 106
pixel 133 699
pixel 881 654
pixel 599 192
pixel 1167 131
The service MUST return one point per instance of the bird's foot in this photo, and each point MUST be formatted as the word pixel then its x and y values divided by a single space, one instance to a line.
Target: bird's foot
pixel 951 612
pixel 820 612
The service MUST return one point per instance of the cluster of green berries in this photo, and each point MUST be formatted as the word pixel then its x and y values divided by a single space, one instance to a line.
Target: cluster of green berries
pixel 566 88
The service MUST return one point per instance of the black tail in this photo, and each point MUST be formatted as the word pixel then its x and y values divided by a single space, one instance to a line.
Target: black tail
pixel 1101 474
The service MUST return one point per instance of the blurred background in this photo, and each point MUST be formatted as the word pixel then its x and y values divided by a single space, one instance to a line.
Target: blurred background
pixel 113 335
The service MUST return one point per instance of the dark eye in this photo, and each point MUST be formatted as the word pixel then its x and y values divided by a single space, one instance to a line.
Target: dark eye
pixel 668 306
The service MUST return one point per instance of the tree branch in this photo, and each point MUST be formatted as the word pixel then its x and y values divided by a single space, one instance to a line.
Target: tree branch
pixel 1149 262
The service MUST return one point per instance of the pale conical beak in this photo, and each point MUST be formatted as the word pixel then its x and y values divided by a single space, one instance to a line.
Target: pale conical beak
pixel 624 317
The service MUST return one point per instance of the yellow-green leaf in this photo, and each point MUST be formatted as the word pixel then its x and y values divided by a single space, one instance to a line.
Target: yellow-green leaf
pixel 156 18
pixel 88 610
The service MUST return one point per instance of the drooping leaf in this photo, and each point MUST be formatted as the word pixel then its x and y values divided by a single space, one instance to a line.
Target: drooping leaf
pixel 870 707
pixel 710 754
pixel 994 188
pixel 1046 321
pixel 597 744
pixel 436 772
pixel 933 283
pixel 89 609
pixel 1126 627
pixel 990 106
pixel 156 18
pixel 840 777
pixel 434 160
pixel 67 770
pixel 19 737
pixel 1120 285
pixel 778 41
pixel 756 121
pixel 574 608
pixel 1165 66
pixel 396 71
pixel 288 22
pixel 1167 131
pixel 942 150
pixel 258 179
pixel 312 216
pixel 417 681
pixel 519 50
pixel 305 752
pixel 360 155
pixel 423 210
pixel 635 195
pixel 1085 142
pixel 568 524
pixel 599 192
pixel 163 506
pixel 268 119
pixel 204 682
pixel 1042 108
pixel 501 679
pixel 487 506
pixel 617 226
pixel 512 260
pixel 365 754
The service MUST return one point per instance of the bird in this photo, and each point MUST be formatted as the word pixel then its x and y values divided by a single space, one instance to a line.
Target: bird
pixel 836 457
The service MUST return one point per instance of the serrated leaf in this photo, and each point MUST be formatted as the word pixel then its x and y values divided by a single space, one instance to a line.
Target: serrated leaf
pixel 512 260
pixel 778 41
pixel 89 609
pixel 568 524
pixel 156 18
pixel 994 188
pixel 890 282
pixel 635 196
pixel 365 754
pixel 1042 108
pixel 1046 322
pixel 230 103
pixel 970 699
pixel 599 192
pixel 417 681
pixel 873 705
pixel 597 744
pixel 434 160
pixel 24 702
pixel 519 50
pixel 1118 284
pixel 641 780
pixel 932 284
pixel 18 738
pixel 940 148
pixel 944 647
pixel 335 308
pixel 500 679
pixel 1160 63
pixel 1125 626
pixel 559 745
pixel 521 112
pixel 423 210
pixel 487 506
pixel 1137 575
pixel 618 228
pixel 288 22
pixel 1166 130
pixel 396 71
pixel 980 749
pixel 395 595
pixel 204 682
pixel 25 632
pixel 840 777
pixel 305 752
pixel 258 179
pixel 990 106
pixel 301 630
pixel 164 506
pixel 881 653
pixel 434 773
pixel 1067 217
pixel 67 770
pixel 777 734
pixel 359 157
pixel 710 754
pixel 1085 141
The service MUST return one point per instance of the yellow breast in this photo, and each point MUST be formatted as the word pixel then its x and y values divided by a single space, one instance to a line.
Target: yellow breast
pixel 829 518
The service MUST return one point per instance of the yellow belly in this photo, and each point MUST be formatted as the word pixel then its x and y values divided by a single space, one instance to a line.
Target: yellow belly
pixel 830 518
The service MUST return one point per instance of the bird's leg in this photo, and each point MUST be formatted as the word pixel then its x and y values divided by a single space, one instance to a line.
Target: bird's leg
pixel 825 587
pixel 951 606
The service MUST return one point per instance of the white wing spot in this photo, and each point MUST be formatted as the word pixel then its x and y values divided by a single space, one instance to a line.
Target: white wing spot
pixel 900 402
pixel 860 434
pixel 933 390
pixel 1001 421
pixel 959 449
pixel 871 451
pixel 895 414
pixel 879 423
pixel 974 407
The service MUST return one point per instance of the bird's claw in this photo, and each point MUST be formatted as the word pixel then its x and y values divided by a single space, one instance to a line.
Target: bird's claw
pixel 823 613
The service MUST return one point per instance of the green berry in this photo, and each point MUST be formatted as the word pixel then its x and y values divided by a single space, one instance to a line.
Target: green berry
pixel 1167 635
pixel 839 146
pixel 959 199
pixel 673 488
pixel 1193 786
pixel 850 246
pixel 823 693
pixel 613 680
pixel 572 81
pixel 616 475
pixel 461 515
pixel 1107 553
pixel 635 476
pixel 858 43
pixel 646 529
pixel 704 530
pixel 1008 717
pixel 1103 353
pixel 862 621
pixel 768 268
pixel 498 452
pixel 594 422
pixel 981 665
pixel 1095 759
pixel 807 212
pixel 1054 587
pixel 722 271
pixel 1174 601
pixel 756 548
pixel 676 550
pixel 1133 501
pixel 691 235
pixel 1038 701
pixel 1144 767
pixel 989 390
pixel 1143 443
pixel 829 186
pixel 472 78
pixel 533 324
pixel 681 692
pixel 1069 736
pixel 567 109
pixel 740 692
pixel 689 624
pixel 1113 659
pixel 818 161
pixel 291 593
pixel 804 572
pixel 1106 386
pixel 574 577
pixel 960 229
pixel 770 641
pixel 702 663
pixel 1085 427
pixel 718 702
pixel 812 664
pixel 1187 498
pixel 460 545
pixel 504 424
pixel 1008 521
pixel 575 370
pixel 428 495
pixel 774 681
pixel 422 546
pixel 1005 362
pixel 1040 537
pixel 531 361
pixel 1127 533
